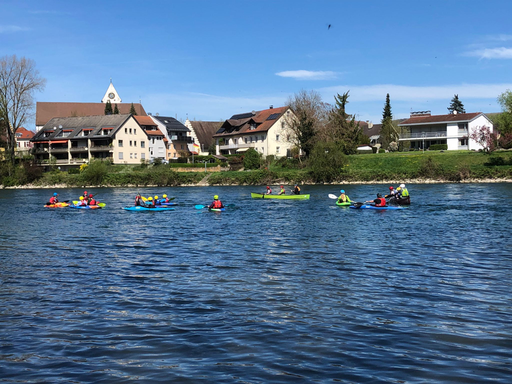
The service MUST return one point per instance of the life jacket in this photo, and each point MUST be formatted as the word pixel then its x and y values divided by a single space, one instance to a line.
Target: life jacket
pixel 93 202
pixel 282 192
pixel 138 200
pixel 405 192
pixel 269 191
pixel 297 190
pixel 344 199
pixel 53 200
pixel 217 204
pixel 158 202
pixel 166 199
pixel 382 202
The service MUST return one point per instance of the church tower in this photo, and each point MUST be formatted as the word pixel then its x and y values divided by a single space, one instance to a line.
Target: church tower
pixel 111 95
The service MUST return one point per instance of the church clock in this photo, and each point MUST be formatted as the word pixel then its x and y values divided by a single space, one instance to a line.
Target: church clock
pixel 111 95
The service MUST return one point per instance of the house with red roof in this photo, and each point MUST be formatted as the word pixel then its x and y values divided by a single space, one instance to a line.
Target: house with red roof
pixel 157 140
pixel 23 137
pixel 423 130
pixel 266 131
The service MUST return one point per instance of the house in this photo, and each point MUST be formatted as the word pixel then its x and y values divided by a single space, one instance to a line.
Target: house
pixel 45 111
pixel 202 132
pixel 423 130
pixel 180 140
pixel 23 143
pixel 157 141
pixel 78 140
pixel 266 131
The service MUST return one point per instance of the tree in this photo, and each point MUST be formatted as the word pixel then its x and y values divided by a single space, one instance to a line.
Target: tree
pixel 116 110
pixel 456 105
pixel 503 121
pixel 485 137
pixel 388 133
pixel 108 108
pixel 343 128
pixel 309 116
pixel 19 79
pixel 133 111
pixel 326 162
pixel 252 159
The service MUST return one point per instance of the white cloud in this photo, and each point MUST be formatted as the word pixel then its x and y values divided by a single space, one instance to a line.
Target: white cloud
pixel 12 28
pixel 308 75
pixel 492 53
pixel 416 93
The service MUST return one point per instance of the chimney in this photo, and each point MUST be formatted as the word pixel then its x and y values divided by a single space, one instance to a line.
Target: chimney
pixel 271 107
pixel 149 113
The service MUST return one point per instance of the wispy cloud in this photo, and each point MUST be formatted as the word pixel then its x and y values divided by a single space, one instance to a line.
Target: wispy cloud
pixel 378 92
pixel 491 53
pixel 308 75
pixel 12 29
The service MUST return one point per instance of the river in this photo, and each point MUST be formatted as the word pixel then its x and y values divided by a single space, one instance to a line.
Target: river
pixel 266 292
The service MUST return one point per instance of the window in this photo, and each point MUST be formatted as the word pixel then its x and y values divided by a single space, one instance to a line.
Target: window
pixel 181 146
pixel 135 143
pixel 130 131
pixel 131 155
pixel 153 140
pixel 282 124
pixel 278 149
pixel 245 139
pixel 142 155
pixel 262 138
pixel 236 141
pixel 135 155
pixel 120 143
pixel 256 139
pixel 277 137
pixel 120 155
pixel 85 133
pixel 134 131
pixel 130 143
pixel 143 144
pixel 126 130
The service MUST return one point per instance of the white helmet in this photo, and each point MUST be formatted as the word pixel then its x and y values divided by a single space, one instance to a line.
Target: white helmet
pixel 402 185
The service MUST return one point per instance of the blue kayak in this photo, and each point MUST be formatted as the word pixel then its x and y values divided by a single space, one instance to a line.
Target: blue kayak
pixel 168 204
pixel 99 206
pixel 365 206
pixel 139 208
pixel 216 209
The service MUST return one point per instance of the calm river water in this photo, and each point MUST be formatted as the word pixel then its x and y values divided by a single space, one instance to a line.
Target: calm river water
pixel 266 292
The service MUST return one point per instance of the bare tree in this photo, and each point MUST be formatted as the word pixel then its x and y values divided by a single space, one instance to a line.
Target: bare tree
pixel 310 114
pixel 19 79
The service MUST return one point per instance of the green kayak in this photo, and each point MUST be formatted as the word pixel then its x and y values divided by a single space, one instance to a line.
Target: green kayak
pixel 289 197
pixel 347 204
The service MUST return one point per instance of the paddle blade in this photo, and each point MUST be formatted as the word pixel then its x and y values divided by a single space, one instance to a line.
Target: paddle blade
pixel 101 205
pixel 331 196
pixel 357 205
pixel 199 206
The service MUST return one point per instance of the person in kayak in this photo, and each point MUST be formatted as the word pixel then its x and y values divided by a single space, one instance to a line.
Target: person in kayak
pixel 269 191
pixel 54 199
pixel 392 193
pixel 82 201
pixel 296 190
pixel 216 204
pixel 150 203
pixel 403 191
pixel 92 201
pixel 343 198
pixel 166 199
pixel 138 200
pixel 85 195
pixel 157 202
pixel 282 191
pixel 378 202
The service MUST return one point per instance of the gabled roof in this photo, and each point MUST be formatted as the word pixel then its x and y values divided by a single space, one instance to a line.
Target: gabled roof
pixel 154 132
pixel 252 122
pixel 145 120
pixel 171 124
pixel 76 124
pixel 439 119
pixel 45 111
pixel 24 134
pixel 205 130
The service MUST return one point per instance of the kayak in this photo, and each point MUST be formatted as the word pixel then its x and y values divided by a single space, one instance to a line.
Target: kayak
pixel 216 209
pixel 156 209
pixel 346 204
pixel 287 197
pixel 364 206
pixel 400 201
pixel 169 204
pixel 86 206
pixel 56 205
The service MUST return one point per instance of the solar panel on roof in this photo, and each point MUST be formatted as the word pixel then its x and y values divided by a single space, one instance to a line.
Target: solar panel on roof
pixel 273 116
pixel 221 130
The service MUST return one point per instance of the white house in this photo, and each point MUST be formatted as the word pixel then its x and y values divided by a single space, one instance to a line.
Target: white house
pixel 157 140
pixel 423 130
pixel 266 131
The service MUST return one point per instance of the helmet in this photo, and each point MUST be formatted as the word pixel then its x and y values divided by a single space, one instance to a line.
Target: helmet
pixel 268 187
pixel 164 196
pixel 399 189
pixel 215 197
pixel 379 195
pixel 282 187
pixel 342 191
pixel 55 194
pixel 85 192
pixel 150 198
pixel 90 195
pixel 156 197
pixel 390 187
pixel 81 198
pixel 402 185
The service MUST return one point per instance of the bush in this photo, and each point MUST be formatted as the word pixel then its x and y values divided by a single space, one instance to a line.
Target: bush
pixel 74 171
pixel 438 147
pixel 326 162
pixel 252 159
pixel 95 172
pixel 382 150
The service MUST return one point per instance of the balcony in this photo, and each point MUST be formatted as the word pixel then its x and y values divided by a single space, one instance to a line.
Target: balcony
pixel 101 148
pixel 59 150
pixel 182 139
pixel 239 146
pixel 40 150
pixel 422 136
pixel 78 149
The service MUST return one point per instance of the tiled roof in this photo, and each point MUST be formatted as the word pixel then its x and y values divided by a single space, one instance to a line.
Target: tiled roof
pixel 45 111
pixel 154 132
pixel 450 118
pixel 145 120
pixel 25 134
pixel 205 130
pixel 243 123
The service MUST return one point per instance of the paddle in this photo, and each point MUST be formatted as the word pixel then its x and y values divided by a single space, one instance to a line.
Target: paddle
pixel 334 197
pixel 357 205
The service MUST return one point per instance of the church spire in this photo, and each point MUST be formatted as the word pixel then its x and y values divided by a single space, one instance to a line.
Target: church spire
pixel 111 94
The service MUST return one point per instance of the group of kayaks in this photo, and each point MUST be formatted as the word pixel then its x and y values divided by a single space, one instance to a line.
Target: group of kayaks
pixel 75 204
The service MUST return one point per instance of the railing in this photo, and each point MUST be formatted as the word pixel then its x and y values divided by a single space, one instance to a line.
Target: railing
pixel 182 139
pixel 78 149
pixel 238 146
pixel 97 148
pixel 422 135
pixel 58 150
pixel 41 150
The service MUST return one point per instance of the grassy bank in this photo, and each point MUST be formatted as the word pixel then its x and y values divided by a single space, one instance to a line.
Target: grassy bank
pixel 449 166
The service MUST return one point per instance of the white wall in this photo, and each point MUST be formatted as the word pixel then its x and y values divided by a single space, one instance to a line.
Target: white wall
pixel 480 121
pixel 132 154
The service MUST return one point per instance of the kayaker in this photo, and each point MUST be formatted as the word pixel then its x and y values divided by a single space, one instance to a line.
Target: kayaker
pixel 379 201
pixel 403 191
pixel 157 202
pixel 296 190
pixel 269 191
pixel 392 193
pixel 343 198
pixel 166 199
pixel 82 201
pixel 92 201
pixel 54 199
pixel 282 191
pixel 85 195
pixel 138 200
pixel 216 204
pixel 150 203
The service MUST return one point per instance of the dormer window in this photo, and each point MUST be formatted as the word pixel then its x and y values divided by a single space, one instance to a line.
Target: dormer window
pixel 253 126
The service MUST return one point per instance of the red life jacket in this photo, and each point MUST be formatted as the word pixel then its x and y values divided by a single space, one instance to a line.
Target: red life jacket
pixel 53 200
pixel 92 202
pixel 217 204
pixel 382 202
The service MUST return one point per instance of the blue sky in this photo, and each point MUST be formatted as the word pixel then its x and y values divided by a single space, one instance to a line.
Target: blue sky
pixel 211 59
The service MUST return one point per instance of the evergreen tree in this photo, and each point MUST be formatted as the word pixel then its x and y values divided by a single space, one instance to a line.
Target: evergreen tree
pixel 108 108
pixel 456 105
pixel 343 128
pixel 388 133
pixel 116 110
pixel 132 110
